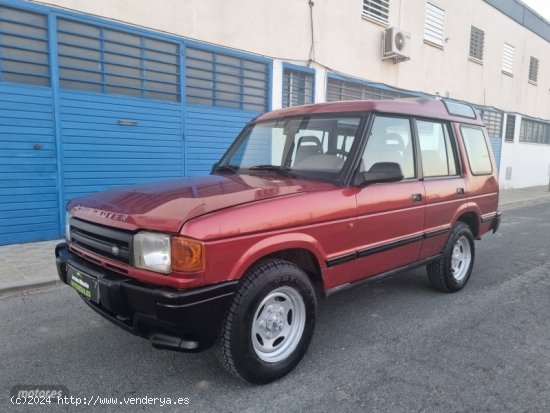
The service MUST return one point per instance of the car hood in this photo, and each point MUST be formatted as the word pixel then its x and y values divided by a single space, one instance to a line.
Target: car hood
pixel 166 205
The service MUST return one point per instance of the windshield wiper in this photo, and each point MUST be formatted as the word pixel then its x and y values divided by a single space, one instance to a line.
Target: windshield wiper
pixel 227 168
pixel 281 170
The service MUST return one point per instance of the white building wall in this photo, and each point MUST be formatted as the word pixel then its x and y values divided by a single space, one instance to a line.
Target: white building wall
pixel 347 43
pixel 523 164
pixel 530 165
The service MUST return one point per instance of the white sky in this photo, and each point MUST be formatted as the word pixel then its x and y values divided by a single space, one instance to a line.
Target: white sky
pixel 542 7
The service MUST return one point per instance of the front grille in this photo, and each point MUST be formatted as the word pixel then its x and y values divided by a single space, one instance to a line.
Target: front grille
pixel 108 242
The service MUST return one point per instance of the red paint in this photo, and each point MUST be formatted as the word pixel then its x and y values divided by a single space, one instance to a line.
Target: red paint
pixel 244 217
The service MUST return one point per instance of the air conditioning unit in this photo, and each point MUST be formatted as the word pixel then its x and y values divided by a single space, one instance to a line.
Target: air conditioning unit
pixel 396 45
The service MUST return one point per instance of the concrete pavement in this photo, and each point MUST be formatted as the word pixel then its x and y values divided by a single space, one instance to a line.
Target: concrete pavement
pixel 32 265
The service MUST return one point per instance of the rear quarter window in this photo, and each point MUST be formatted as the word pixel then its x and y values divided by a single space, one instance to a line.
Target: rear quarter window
pixel 477 150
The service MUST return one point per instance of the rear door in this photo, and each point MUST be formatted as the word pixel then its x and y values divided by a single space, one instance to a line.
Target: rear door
pixel 443 183
pixel 390 215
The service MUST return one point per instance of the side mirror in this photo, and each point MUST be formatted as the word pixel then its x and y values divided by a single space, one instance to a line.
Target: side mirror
pixel 380 172
pixel 214 166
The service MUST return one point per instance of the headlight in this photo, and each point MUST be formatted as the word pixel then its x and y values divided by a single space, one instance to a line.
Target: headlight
pixel 164 253
pixel 67 226
pixel 152 252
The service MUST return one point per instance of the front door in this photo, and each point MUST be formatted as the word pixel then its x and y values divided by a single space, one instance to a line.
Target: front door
pixel 390 215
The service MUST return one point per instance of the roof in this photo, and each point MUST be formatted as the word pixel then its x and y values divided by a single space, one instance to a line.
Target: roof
pixel 429 108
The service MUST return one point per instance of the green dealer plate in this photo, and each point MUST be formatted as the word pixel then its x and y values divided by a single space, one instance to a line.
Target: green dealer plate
pixel 84 284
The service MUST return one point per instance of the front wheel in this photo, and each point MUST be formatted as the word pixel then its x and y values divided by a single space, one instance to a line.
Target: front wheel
pixel 269 325
pixel 452 271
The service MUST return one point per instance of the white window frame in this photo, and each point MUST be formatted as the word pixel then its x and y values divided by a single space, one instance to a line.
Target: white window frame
pixel 508 54
pixel 377 11
pixel 434 25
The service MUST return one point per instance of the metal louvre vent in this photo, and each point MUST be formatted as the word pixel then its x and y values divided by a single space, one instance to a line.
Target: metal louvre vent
pixel 297 88
pixel 493 122
pixel 24 47
pixel 338 90
pixel 216 79
pixel 508 52
pixel 107 242
pixel 378 10
pixel 533 69
pixel 477 39
pixel 435 22
pixel 98 59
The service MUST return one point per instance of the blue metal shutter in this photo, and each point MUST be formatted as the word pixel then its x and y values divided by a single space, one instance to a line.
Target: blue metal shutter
pixel 29 208
pixel 223 92
pixel 29 204
pixel 209 131
pixel 109 141
pixel 120 110
pixel 496 144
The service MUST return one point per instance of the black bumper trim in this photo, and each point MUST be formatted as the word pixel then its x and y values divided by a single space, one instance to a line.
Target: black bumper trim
pixel 179 320
pixel 496 222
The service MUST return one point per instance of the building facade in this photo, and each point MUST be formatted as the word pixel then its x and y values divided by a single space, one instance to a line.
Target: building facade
pixel 113 92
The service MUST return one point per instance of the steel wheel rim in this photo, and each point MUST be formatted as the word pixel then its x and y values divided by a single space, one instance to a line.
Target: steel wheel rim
pixel 278 324
pixel 461 258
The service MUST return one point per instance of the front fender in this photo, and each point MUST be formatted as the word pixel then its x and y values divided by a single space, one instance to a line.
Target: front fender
pixel 273 244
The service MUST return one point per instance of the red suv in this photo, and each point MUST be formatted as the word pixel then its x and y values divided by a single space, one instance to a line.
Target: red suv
pixel 307 201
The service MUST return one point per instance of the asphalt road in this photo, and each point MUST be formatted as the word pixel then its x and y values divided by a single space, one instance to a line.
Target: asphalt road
pixel 396 345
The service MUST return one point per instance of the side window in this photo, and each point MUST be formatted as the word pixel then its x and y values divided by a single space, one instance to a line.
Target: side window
pixel 390 141
pixel 438 154
pixel 477 151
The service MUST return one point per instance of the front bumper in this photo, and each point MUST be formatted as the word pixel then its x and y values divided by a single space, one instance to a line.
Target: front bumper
pixel 171 319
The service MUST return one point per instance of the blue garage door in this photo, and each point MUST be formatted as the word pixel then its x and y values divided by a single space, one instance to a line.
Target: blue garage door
pixel 223 92
pixel 29 208
pixel 120 108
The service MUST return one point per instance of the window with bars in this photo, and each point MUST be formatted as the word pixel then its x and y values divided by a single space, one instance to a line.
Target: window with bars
pixel 98 59
pixel 338 90
pixel 493 122
pixel 434 28
pixel 534 131
pixel 510 128
pixel 297 87
pixel 508 52
pixel 477 38
pixel 533 69
pixel 24 56
pixel 216 79
pixel 377 10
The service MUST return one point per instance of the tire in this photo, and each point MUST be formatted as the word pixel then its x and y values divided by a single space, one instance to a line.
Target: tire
pixel 451 272
pixel 269 324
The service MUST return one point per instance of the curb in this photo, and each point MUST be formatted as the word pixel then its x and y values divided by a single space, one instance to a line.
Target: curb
pixel 28 287
pixel 520 202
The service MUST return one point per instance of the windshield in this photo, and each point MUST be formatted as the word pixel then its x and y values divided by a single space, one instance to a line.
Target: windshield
pixel 303 146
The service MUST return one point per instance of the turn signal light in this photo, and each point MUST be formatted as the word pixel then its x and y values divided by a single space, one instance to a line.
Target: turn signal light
pixel 187 255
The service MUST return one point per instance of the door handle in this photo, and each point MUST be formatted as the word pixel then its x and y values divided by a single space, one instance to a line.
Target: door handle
pixel 460 191
pixel 416 197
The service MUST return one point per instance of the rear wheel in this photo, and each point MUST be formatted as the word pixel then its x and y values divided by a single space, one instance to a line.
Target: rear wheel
pixel 452 271
pixel 269 325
